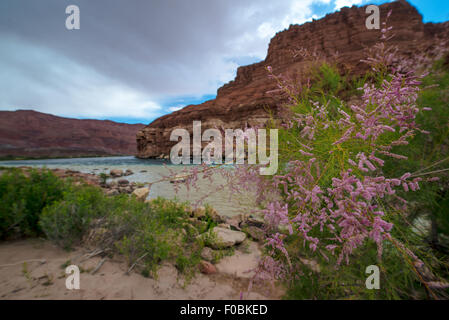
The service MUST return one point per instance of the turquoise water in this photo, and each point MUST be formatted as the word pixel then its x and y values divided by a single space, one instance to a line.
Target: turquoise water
pixel 88 162
pixel 147 171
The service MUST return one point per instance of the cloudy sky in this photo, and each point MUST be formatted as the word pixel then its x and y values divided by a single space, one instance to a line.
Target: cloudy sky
pixel 136 60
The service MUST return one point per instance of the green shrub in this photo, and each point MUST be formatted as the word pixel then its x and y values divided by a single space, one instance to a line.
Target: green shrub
pixel 66 221
pixel 154 232
pixel 424 151
pixel 22 198
pixel 399 278
pixel 347 281
pixel 327 78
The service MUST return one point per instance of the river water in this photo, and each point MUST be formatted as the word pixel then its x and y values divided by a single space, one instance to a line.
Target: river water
pixel 147 171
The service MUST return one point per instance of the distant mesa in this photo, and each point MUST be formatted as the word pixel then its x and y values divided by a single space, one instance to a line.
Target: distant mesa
pixel 27 133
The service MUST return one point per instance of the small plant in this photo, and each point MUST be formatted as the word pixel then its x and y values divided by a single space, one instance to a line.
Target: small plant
pixel 26 272
pixel 220 254
pixel 103 178
pixel 66 264
pixel 48 281
pixel 210 239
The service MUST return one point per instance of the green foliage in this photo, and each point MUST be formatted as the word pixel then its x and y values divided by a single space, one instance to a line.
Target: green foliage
pixel 37 202
pixel 210 239
pixel 22 198
pixel 326 78
pixel 430 153
pixel 154 232
pixel 65 221
pixel 103 178
pixel 347 281
pixel 210 222
pixel 326 90
pixel 426 153
pixel 220 254
pixel 146 234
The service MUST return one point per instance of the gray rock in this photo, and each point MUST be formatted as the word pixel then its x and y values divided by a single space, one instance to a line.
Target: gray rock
pixel 178 179
pixel 123 182
pixel 112 192
pixel 234 223
pixel 112 184
pixel 312 264
pixel 141 193
pixel 207 267
pixel 116 173
pixel 227 237
pixel 255 221
pixel 125 190
pixel 256 233
pixel 207 254
pixel 215 216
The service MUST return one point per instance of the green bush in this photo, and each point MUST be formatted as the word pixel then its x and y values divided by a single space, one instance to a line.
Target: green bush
pixel 22 198
pixel 154 232
pixel 428 240
pixel 327 78
pixel 430 151
pixel 347 281
pixel 66 221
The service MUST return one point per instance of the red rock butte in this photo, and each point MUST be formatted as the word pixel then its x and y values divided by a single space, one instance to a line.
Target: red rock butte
pixel 341 36
pixel 26 133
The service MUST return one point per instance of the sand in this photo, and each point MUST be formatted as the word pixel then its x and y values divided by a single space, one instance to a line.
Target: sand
pixel 43 276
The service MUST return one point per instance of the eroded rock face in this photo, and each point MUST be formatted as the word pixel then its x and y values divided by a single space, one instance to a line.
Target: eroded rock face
pixel 244 100
pixel 34 134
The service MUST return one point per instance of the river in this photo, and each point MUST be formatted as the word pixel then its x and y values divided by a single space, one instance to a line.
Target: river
pixel 147 171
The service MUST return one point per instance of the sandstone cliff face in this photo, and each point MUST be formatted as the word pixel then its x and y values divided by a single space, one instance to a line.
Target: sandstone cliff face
pixel 341 36
pixel 34 134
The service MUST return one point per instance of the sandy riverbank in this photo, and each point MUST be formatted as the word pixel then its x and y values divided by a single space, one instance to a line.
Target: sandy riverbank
pixel 43 276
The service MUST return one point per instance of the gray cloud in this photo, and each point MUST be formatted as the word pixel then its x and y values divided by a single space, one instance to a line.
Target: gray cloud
pixel 129 55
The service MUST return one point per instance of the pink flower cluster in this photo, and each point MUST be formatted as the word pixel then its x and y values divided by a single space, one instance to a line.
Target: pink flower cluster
pixel 337 216
pixel 348 209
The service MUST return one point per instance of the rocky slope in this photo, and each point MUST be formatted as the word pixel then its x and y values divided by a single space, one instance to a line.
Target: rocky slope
pixel 341 36
pixel 26 133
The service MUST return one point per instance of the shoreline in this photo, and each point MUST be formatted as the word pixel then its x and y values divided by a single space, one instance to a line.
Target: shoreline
pixel 35 269
pixel 227 253
pixel 63 157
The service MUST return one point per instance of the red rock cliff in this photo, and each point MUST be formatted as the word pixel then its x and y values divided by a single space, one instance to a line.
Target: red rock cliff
pixel 34 134
pixel 245 99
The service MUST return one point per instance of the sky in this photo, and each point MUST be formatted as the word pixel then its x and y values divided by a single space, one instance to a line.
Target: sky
pixel 136 60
